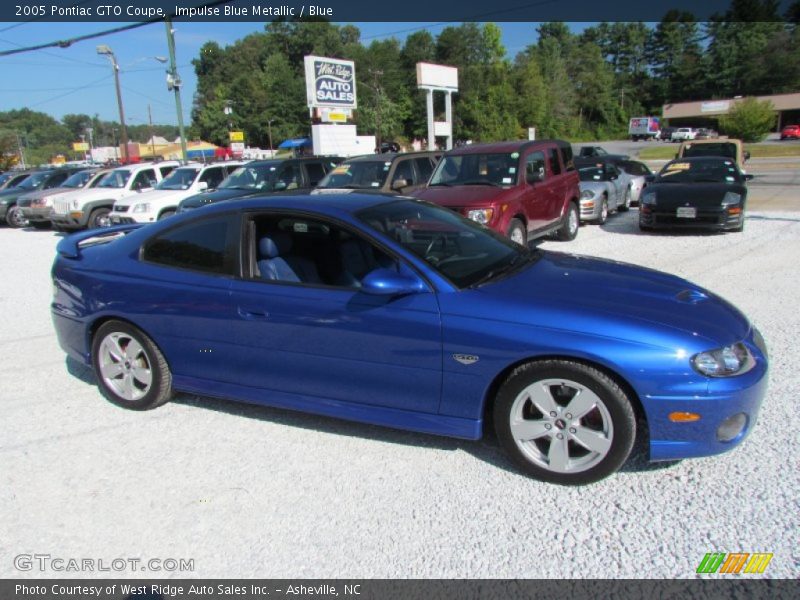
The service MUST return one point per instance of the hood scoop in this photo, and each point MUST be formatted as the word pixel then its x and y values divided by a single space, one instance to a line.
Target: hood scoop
pixel 691 296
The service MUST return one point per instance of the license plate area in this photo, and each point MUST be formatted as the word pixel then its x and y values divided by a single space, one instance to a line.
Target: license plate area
pixel 686 212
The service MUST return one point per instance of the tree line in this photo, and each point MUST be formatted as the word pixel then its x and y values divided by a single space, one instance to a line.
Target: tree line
pixel 577 86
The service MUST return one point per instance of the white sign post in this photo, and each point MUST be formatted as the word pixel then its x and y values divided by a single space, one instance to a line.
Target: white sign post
pixel 438 78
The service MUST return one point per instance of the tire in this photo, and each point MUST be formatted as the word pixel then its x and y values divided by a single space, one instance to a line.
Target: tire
pixel 595 441
pixel 740 228
pixel 40 224
pixel 517 233
pixel 569 228
pixel 99 218
pixel 626 204
pixel 601 220
pixel 165 214
pixel 131 371
pixel 15 218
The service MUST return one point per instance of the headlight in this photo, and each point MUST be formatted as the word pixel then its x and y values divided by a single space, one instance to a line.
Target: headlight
pixel 141 208
pixel 648 197
pixel 731 199
pixel 587 194
pixel 724 362
pixel 481 215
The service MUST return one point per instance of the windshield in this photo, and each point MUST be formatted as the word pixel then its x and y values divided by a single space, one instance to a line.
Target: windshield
pixel 34 181
pixel 591 174
pixel 461 250
pixel 251 177
pixel 700 171
pixel 77 180
pixel 179 179
pixel 357 175
pixel 477 169
pixel 115 179
pixel 725 149
pixel 5 177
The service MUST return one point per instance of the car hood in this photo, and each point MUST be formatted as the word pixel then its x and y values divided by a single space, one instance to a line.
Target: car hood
pixel 216 196
pixel 48 195
pixel 598 187
pixel 11 194
pixel 99 193
pixel 613 299
pixel 167 196
pixel 462 195
pixel 709 195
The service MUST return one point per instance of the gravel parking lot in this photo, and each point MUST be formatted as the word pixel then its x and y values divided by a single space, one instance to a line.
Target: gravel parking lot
pixel 254 492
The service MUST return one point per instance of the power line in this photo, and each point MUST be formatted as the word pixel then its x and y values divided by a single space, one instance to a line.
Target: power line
pixel 72 91
pixel 59 56
pixel 34 90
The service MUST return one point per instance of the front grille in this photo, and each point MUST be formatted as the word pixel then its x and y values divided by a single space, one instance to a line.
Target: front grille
pixel 61 207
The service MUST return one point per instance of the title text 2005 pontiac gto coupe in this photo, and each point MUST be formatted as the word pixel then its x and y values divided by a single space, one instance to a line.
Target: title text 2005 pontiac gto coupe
pixel 397 312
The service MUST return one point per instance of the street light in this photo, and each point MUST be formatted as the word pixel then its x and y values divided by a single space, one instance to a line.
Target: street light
pixel 107 52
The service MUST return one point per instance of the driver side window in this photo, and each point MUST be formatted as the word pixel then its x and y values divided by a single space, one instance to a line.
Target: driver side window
pixel 143 180
pixel 534 165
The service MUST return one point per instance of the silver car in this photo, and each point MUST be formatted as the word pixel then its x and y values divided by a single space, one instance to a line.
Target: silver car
pixel 602 191
pixel 636 174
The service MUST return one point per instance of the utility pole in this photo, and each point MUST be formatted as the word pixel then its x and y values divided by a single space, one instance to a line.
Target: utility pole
pixel 174 83
pixel 376 74
pixel 106 51
pixel 152 141
pixel 269 132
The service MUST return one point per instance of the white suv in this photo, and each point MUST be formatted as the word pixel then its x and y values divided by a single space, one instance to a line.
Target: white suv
pixel 163 201
pixel 684 133
pixel 90 208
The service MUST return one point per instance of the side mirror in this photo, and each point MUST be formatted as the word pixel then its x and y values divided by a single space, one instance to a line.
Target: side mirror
pixel 386 282
pixel 202 186
pixel 399 184
pixel 747 155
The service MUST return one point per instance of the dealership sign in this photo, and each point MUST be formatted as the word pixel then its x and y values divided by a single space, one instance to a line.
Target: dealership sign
pixel 330 82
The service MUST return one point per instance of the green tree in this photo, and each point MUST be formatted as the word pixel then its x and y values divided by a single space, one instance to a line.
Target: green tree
pixel 749 120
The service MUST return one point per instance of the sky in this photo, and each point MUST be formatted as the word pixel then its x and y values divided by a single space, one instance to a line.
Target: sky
pixel 76 79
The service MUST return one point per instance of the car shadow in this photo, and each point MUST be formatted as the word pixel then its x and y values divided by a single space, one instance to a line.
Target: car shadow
pixel 487 449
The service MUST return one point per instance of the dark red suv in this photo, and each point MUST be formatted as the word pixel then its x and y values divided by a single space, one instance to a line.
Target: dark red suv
pixel 521 189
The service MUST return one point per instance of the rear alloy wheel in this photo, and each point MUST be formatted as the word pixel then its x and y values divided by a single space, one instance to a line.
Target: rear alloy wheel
pixel 603 212
pixel 130 369
pixel 626 204
pixel 569 228
pixel 564 422
pixel 15 218
pixel 99 218
pixel 516 232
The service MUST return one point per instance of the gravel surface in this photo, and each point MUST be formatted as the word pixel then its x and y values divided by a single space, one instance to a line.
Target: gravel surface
pixel 254 492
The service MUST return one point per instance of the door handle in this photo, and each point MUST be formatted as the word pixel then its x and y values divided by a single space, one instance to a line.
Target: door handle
pixel 253 314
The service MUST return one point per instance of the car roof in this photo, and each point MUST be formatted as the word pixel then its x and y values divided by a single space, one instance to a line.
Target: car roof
pixel 700 159
pixel 390 156
pixel 349 203
pixel 504 147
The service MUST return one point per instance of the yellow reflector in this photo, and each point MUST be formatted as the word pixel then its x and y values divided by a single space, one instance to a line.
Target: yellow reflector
pixel 734 211
pixel 683 417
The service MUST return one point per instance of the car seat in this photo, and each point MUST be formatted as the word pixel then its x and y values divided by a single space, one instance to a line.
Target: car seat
pixel 276 264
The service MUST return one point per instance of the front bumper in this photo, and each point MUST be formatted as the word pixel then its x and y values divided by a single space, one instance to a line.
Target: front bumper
pixel 35 213
pixel 716 219
pixel 590 209
pixel 3 210
pixel 73 220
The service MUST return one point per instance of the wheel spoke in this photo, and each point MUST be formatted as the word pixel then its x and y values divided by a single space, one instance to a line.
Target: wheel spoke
pixel 133 350
pixel 596 441
pixel 111 370
pixel 128 389
pixel 526 430
pixel 112 347
pixel 558 455
pixel 542 398
pixel 584 401
pixel 142 375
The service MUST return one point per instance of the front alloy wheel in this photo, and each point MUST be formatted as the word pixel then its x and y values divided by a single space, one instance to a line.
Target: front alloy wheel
pixel 569 227
pixel 15 218
pixel 564 422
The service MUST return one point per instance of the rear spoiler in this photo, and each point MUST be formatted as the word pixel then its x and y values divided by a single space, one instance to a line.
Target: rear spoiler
pixel 70 246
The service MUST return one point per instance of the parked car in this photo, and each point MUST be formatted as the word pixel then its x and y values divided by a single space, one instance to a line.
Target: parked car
pixel 162 201
pixel 388 147
pixel 790 132
pixel 728 148
pixel 389 173
pixel 705 192
pixel 665 135
pixel 90 208
pixel 523 189
pixel 683 133
pixel 704 133
pixel 400 313
pixel 11 179
pixel 602 190
pixel 37 180
pixel 591 151
pixel 295 175
pixel 37 206
pixel 637 174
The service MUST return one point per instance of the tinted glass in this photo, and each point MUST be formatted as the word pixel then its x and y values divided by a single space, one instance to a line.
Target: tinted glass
pixel 144 179
pixel 566 157
pixel 315 173
pixel 213 176
pixel 166 170
pixel 555 166
pixel 534 163
pixel 462 251
pixel 33 181
pixel 179 179
pixel 361 174
pixel 631 167
pixel 497 169
pixel 56 180
pixel 207 245
pixel 288 178
pixel 425 168
pixel 700 171
pixel 252 177
pixel 78 180
pixel 725 149
pixel 592 174
pixel 115 179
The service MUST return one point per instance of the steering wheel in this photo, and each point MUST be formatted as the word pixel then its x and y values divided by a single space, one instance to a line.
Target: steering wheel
pixel 437 238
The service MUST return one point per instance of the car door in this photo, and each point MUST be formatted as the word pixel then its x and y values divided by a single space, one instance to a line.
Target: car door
pixel 403 180
pixel 143 181
pixel 212 176
pixel 617 182
pixel 314 172
pixel 556 186
pixel 320 336
pixel 536 196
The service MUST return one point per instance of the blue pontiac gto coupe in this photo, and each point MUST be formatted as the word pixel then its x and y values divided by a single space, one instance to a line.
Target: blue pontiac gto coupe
pixel 397 312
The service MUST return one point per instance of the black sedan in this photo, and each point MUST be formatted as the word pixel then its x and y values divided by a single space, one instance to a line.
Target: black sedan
pixel 704 192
